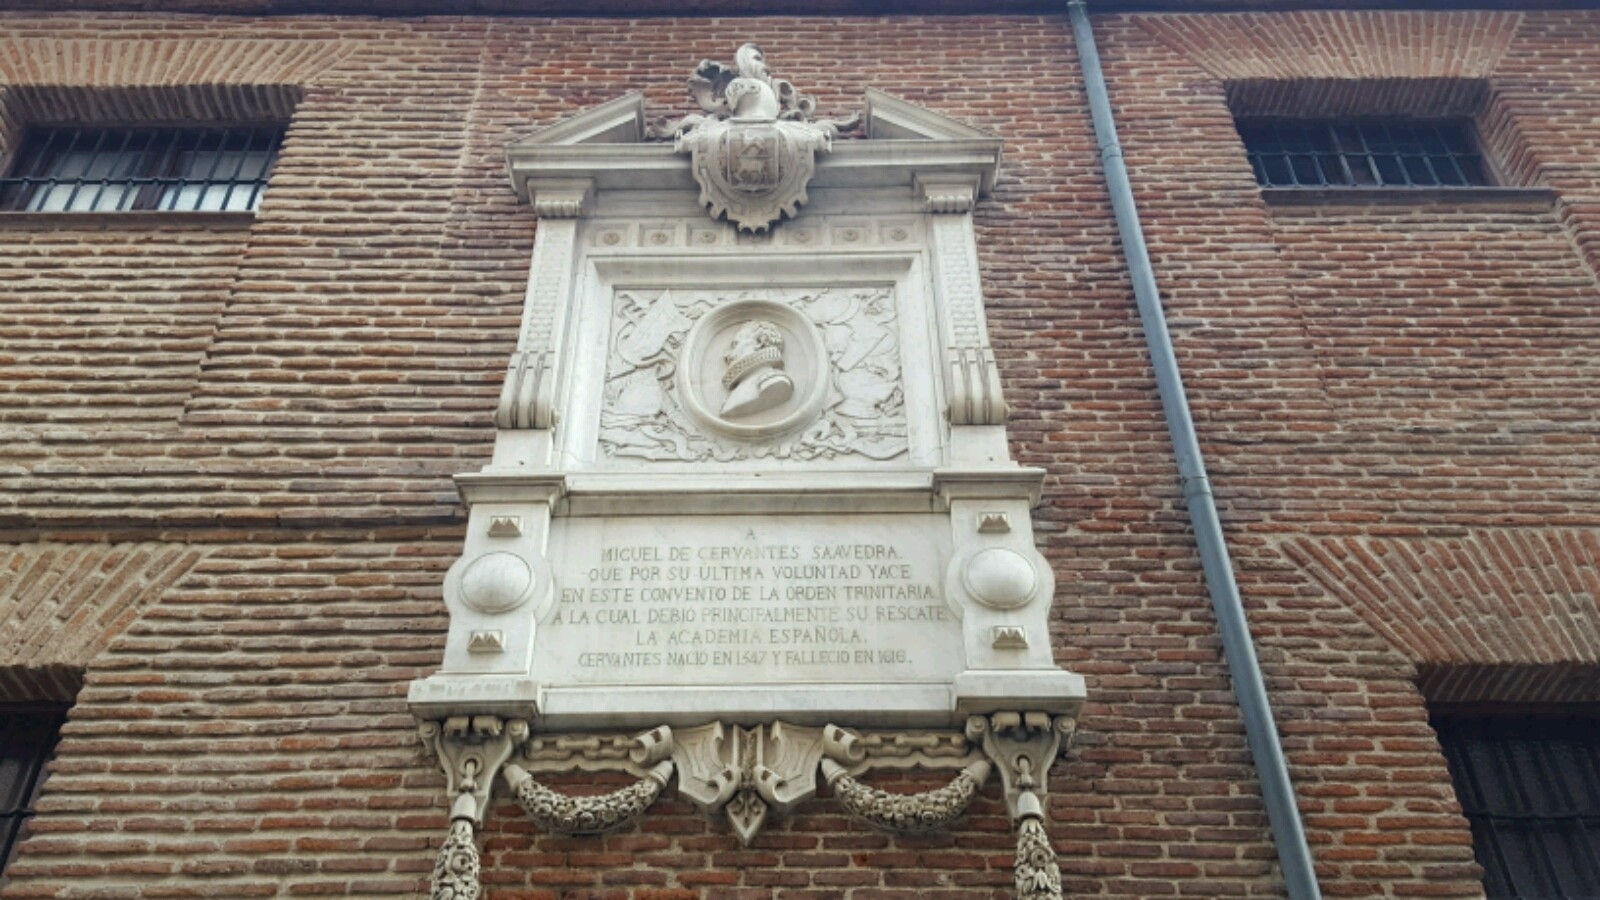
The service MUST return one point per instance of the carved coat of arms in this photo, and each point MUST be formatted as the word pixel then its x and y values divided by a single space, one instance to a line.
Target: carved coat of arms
pixel 754 151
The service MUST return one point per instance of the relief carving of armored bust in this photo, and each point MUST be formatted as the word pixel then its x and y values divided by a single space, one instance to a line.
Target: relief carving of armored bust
pixel 755 379
pixel 808 374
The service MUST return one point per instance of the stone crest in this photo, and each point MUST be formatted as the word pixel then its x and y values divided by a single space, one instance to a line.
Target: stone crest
pixel 754 151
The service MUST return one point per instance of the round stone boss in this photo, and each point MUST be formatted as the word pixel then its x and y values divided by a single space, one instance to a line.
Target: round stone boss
pixel 753 369
pixel 1000 578
pixel 498 582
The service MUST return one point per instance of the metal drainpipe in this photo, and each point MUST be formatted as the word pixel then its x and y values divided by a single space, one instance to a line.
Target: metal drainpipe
pixel 1288 832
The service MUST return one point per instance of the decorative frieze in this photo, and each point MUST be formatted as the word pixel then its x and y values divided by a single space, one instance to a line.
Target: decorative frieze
pixel 808 234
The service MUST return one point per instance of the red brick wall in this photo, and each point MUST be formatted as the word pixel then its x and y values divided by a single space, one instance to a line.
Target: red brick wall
pixel 1397 403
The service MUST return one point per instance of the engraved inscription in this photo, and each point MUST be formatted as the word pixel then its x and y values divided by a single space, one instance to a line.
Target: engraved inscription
pixel 752 605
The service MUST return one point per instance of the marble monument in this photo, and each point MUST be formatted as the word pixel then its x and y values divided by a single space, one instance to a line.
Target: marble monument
pixel 751 500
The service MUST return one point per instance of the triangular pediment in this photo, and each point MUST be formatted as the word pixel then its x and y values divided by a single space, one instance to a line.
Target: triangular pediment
pixel 607 147
pixel 619 121
pixel 622 121
pixel 891 118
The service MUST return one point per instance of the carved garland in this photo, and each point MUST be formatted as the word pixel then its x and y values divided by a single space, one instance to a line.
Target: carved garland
pixel 912 813
pixel 749 773
pixel 586 815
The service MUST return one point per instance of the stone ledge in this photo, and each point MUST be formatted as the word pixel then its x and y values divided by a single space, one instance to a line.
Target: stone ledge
pixel 137 218
pixel 1332 196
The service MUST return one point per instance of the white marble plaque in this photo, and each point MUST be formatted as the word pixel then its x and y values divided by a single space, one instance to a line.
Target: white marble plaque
pixel 724 600
pixel 747 477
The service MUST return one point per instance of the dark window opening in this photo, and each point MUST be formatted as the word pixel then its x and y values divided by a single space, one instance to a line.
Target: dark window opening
pixel 1363 153
pixel 121 169
pixel 28 737
pixel 1530 786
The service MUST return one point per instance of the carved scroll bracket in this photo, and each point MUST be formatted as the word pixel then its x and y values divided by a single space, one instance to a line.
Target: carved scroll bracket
pixel 471 750
pixel 1023 746
pixel 974 383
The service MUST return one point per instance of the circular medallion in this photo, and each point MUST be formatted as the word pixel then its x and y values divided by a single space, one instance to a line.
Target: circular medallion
pixel 497 582
pixel 753 369
pixel 1000 578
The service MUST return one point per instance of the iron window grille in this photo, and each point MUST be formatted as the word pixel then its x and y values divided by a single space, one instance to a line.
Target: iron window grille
pixel 27 741
pixel 1531 789
pixel 1363 153
pixel 121 169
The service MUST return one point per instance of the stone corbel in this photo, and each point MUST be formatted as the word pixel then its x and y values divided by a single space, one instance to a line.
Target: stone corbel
pixel 471 750
pixel 948 195
pixel 561 198
pixel 591 815
pixel 1023 746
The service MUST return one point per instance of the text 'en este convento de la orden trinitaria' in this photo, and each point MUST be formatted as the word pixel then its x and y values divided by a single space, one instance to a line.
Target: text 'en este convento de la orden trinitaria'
pixel 751 523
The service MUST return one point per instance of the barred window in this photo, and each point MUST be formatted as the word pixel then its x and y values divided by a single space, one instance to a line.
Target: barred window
pixel 27 741
pixel 1530 786
pixel 120 169
pixel 1363 153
